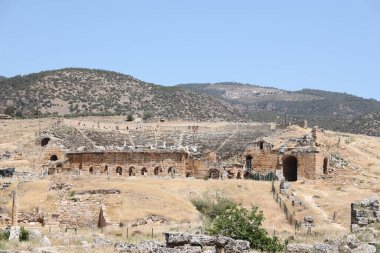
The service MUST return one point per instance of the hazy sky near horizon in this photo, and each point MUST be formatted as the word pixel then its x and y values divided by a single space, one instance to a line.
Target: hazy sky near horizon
pixel 329 45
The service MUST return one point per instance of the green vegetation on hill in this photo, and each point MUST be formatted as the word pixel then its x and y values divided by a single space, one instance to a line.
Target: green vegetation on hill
pixel 330 110
pixel 75 92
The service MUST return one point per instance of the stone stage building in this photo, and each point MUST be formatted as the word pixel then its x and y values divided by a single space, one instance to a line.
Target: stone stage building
pixel 304 158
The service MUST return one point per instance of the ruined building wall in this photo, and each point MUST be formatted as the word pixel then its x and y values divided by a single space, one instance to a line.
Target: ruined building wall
pixel 129 163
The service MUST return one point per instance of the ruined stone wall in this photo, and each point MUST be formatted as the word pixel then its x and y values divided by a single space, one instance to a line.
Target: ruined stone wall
pixel 130 163
pixel 264 160
pixel 364 214
pixel 306 166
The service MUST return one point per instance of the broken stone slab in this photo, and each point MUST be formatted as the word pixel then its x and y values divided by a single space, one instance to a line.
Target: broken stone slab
pixel 320 247
pixel 352 241
pixel 177 239
pixel 192 249
pixel 364 248
pixel 299 248
pixel 236 246
pixel 202 240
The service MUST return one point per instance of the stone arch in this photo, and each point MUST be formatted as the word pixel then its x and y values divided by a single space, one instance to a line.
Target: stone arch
pixel 325 165
pixel 45 141
pixel 132 171
pixel 144 171
pixel 119 170
pixel 53 158
pixel 290 167
pixel 213 173
pixel 248 162
pixel 156 171
pixel 238 174
pixel 171 170
pixel 91 170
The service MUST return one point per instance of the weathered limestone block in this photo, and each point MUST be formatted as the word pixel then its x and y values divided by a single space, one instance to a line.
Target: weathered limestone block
pixel 299 248
pixel 14 234
pixel 324 248
pixel 236 246
pixel 202 240
pixel 177 239
pixel 352 241
pixel 364 248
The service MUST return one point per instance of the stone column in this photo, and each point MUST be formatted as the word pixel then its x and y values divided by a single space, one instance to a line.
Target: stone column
pixel 14 208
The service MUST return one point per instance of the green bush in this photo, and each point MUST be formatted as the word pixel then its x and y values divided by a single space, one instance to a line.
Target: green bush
pixel 211 207
pixel 240 223
pixel 130 117
pixel 4 235
pixel 24 234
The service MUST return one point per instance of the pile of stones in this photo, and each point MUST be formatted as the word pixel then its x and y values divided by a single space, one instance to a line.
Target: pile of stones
pixel 180 243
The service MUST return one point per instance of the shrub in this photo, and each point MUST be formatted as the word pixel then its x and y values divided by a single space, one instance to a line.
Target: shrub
pixel 147 115
pixel 130 117
pixel 240 223
pixel 4 235
pixel 211 207
pixel 24 234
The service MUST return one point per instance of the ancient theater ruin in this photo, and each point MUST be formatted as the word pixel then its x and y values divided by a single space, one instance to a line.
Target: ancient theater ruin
pixel 210 156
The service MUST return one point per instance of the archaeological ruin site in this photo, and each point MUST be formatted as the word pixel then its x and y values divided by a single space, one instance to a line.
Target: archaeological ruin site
pixel 102 180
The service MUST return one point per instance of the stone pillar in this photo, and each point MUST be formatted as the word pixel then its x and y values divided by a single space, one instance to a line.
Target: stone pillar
pixel 14 208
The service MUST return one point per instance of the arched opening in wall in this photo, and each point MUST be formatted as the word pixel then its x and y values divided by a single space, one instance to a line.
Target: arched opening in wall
pixel 91 170
pixel 171 170
pixel 53 158
pixel 45 142
pixel 119 170
pixel 290 166
pixel 261 143
pixel 325 165
pixel 238 176
pixel 213 174
pixel 144 171
pixel 106 169
pixel 59 167
pixel 131 171
pixel 156 171
pixel 248 162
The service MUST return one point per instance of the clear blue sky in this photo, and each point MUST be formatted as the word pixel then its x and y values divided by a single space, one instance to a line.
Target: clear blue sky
pixel 331 45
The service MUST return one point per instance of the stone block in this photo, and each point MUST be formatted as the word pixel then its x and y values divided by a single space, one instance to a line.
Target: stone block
pixel 202 240
pixel 14 234
pixel 299 248
pixel 177 239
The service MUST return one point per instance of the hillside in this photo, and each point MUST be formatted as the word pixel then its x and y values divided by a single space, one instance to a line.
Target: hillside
pixel 330 110
pixel 76 91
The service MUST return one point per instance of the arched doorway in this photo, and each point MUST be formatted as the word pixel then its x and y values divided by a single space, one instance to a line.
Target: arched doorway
pixel 144 171
pixel 156 171
pixel 290 165
pixel 53 158
pixel 213 173
pixel 248 162
pixel 106 169
pixel 91 170
pixel 325 165
pixel 45 142
pixel 131 171
pixel 119 170
pixel 238 176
